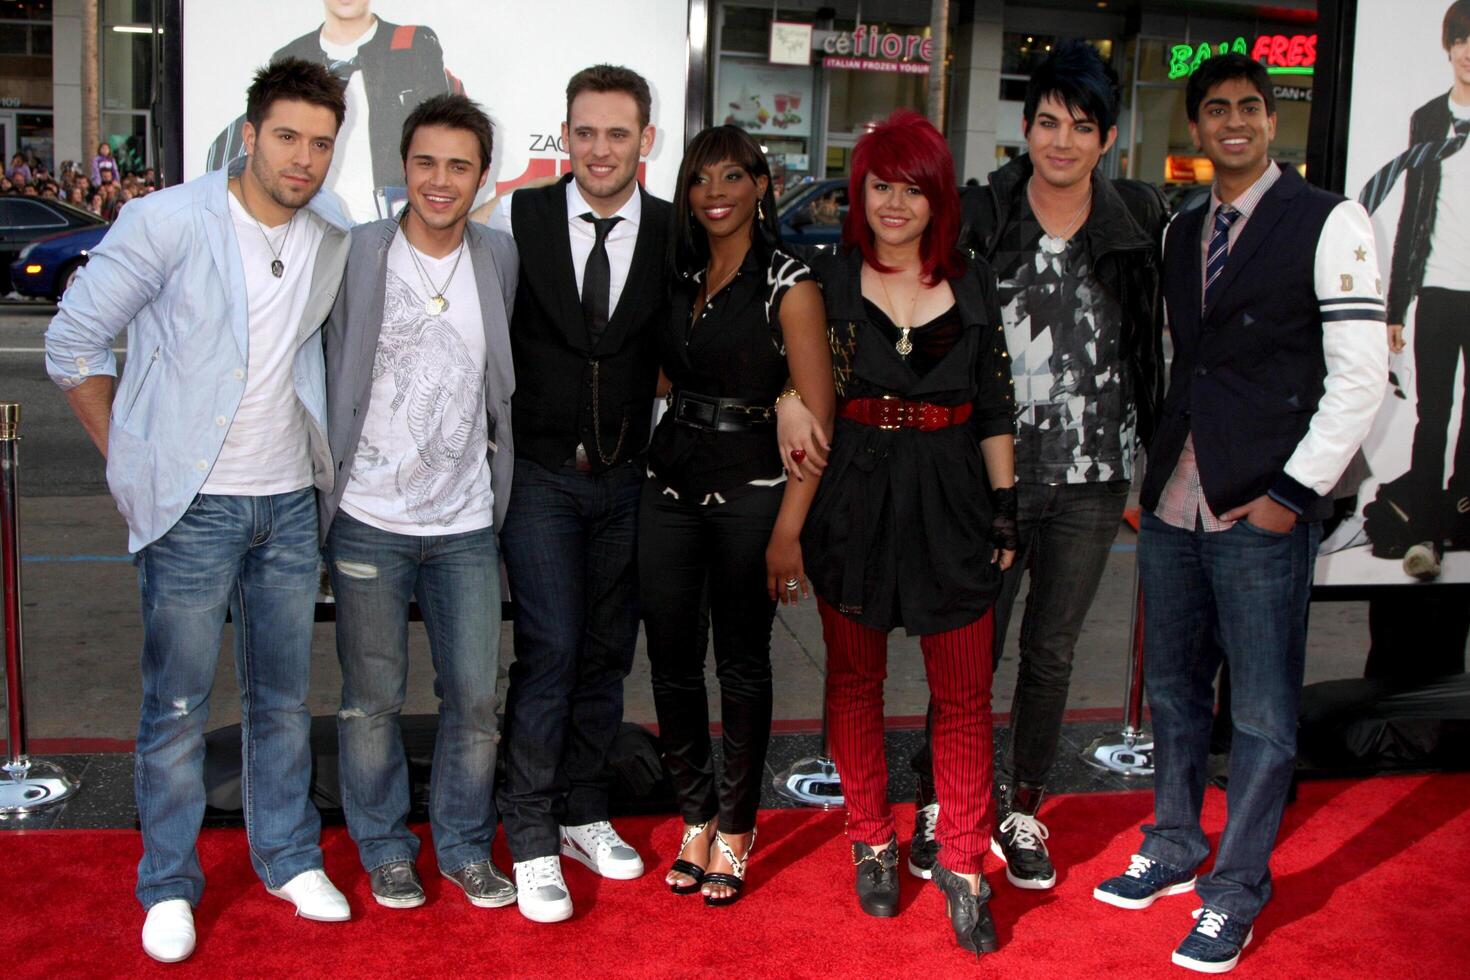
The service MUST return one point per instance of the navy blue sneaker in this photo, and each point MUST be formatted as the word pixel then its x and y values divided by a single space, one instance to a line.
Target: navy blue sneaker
pixel 1145 882
pixel 1215 942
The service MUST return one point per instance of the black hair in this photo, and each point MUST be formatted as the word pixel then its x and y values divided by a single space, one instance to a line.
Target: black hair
pixel 298 80
pixel 715 145
pixel 1456 24
pixel 1075 75
pixel 452 112
pixel 1223 68
pixel 612 78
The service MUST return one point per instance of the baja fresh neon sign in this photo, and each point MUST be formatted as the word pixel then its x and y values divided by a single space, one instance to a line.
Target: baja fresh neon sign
pixel 1282 54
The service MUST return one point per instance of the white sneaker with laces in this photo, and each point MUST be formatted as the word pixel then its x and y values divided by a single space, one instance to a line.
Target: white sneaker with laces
pixel 315 897
pixel 168 932
pixel 600 848
pixel 541 892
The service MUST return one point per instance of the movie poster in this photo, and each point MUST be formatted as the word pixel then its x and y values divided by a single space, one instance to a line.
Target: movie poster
pixel 513 58
pixel 1410 168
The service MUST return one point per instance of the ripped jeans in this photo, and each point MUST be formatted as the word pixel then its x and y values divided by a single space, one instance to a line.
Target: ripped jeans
pixel 456 580
pixel 255 557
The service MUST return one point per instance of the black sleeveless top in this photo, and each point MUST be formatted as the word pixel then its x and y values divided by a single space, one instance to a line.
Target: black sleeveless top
pixel 731 349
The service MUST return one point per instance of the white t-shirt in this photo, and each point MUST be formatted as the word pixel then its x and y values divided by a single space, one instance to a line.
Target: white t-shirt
pixel 622 238
pixel 351 173
pixel 1448 265
pixel 422 465
pixel 266 449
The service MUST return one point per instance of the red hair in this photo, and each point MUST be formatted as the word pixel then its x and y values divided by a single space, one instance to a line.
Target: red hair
pixel 906 147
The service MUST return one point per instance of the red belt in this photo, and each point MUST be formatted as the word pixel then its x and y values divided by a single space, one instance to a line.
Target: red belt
pixel 892 412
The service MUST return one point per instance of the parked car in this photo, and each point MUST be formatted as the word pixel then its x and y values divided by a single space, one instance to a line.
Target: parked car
pixel 48 259
pixel 812 214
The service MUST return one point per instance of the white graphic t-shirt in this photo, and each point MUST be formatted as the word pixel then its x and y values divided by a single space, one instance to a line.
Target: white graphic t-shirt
pixel 1448 265
pixel 422 464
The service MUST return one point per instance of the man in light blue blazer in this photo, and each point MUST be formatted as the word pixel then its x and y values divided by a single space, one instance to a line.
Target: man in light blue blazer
pixel 216 444
pixel 419 383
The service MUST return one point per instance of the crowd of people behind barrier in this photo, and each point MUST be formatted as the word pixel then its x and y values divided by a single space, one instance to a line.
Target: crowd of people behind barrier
pixel 100 185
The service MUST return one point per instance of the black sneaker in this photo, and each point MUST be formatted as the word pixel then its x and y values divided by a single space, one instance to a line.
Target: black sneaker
pixel 396 885
pixel 877 878
pixel 1145 882
pixel 1019 837
pixel 1214 944
pixel 924 848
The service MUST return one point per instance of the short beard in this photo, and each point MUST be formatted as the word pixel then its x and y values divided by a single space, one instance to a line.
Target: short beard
pixel 270 183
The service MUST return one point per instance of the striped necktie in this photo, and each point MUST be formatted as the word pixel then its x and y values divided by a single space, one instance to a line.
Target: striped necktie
pixel 1382 182
pixel 1219 250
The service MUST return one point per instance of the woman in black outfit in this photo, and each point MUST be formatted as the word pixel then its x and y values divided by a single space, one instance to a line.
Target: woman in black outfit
pixel 915 516
pixel 717 509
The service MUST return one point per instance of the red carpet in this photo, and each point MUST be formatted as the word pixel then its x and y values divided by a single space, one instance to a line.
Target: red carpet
pixel 1370 881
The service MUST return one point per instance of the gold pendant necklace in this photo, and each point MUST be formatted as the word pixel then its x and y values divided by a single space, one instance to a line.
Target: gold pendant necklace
pixel 904 345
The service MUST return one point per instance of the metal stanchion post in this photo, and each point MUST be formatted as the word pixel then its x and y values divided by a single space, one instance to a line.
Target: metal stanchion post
pixel 1131 751
pixel 813 781
pixel 33 783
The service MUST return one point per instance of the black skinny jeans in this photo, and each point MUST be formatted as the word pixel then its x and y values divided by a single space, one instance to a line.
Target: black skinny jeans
pixel 1441 340
pixel 681 545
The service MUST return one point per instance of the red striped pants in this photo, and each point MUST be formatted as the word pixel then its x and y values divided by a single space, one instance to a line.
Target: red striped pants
pixel 958 664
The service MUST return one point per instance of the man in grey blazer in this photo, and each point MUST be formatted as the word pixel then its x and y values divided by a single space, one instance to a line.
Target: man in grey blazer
pixel 419 382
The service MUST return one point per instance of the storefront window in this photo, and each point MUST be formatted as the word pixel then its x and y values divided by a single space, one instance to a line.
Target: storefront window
pixel 127 134
pixel 127 54
pixel 25 54
pixel 36 138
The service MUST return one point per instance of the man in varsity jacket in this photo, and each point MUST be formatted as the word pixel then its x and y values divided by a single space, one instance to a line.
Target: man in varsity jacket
pixel 1273 300
pixel 386 70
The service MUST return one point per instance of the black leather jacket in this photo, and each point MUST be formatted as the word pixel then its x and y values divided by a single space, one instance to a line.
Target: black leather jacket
pixel 1431 121
pixel 1124 234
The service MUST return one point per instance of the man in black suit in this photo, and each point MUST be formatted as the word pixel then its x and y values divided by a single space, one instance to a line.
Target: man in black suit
pixel 1431 263
pixel 592 249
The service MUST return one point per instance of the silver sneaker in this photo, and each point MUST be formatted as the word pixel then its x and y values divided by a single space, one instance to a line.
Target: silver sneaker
pixel 485 885
pixel 541 892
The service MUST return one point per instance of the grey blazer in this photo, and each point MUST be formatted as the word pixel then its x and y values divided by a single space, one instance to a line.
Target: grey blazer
pixel 351 338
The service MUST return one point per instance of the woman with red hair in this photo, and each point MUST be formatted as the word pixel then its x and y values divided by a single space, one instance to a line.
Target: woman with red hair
pixel 915 516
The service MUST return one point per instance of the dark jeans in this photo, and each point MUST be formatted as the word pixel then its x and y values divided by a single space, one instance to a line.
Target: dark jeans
pixel 1441 342
pixel 1253 586
pixel 570 547
pixel 257 558
pixel 456 578
pixel 681 544
pixel 1066 533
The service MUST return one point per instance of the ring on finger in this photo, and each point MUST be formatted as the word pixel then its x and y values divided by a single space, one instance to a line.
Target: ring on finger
pixel 791 584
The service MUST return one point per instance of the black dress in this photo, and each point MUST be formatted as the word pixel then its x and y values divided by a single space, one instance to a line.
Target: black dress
pixel 898 534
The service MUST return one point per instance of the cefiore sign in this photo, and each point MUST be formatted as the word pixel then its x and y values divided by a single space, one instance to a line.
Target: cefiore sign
pixel 865 48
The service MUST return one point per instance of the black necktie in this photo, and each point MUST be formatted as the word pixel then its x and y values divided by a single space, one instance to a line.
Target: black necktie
pixel 1382 182
pixel 1219 251
pixel 597 277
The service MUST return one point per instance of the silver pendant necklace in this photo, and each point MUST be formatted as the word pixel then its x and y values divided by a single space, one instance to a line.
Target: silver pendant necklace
pixel 436 303
pixel 1055 244
pixel 278 268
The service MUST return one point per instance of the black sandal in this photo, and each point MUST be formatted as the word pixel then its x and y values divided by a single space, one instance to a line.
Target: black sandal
pixel 689 868
pixel 734 881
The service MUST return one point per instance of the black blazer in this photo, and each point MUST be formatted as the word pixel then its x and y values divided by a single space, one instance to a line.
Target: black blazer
pixel 1431 121
pixel 1248 372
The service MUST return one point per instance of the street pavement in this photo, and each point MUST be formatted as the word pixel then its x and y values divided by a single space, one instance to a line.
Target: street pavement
pixel 83 636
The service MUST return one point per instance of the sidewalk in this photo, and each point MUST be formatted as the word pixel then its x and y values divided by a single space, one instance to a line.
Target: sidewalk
pixel 83 638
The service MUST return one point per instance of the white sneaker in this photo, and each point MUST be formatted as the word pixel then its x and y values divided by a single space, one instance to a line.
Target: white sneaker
pixel 315 897
pixel 168 932
pixel 541 892
pixel 599 847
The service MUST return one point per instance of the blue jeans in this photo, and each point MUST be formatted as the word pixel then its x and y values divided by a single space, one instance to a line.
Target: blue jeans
pixel 456 579
pixel 257 558
pixel 1253 586
pixel 570 542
